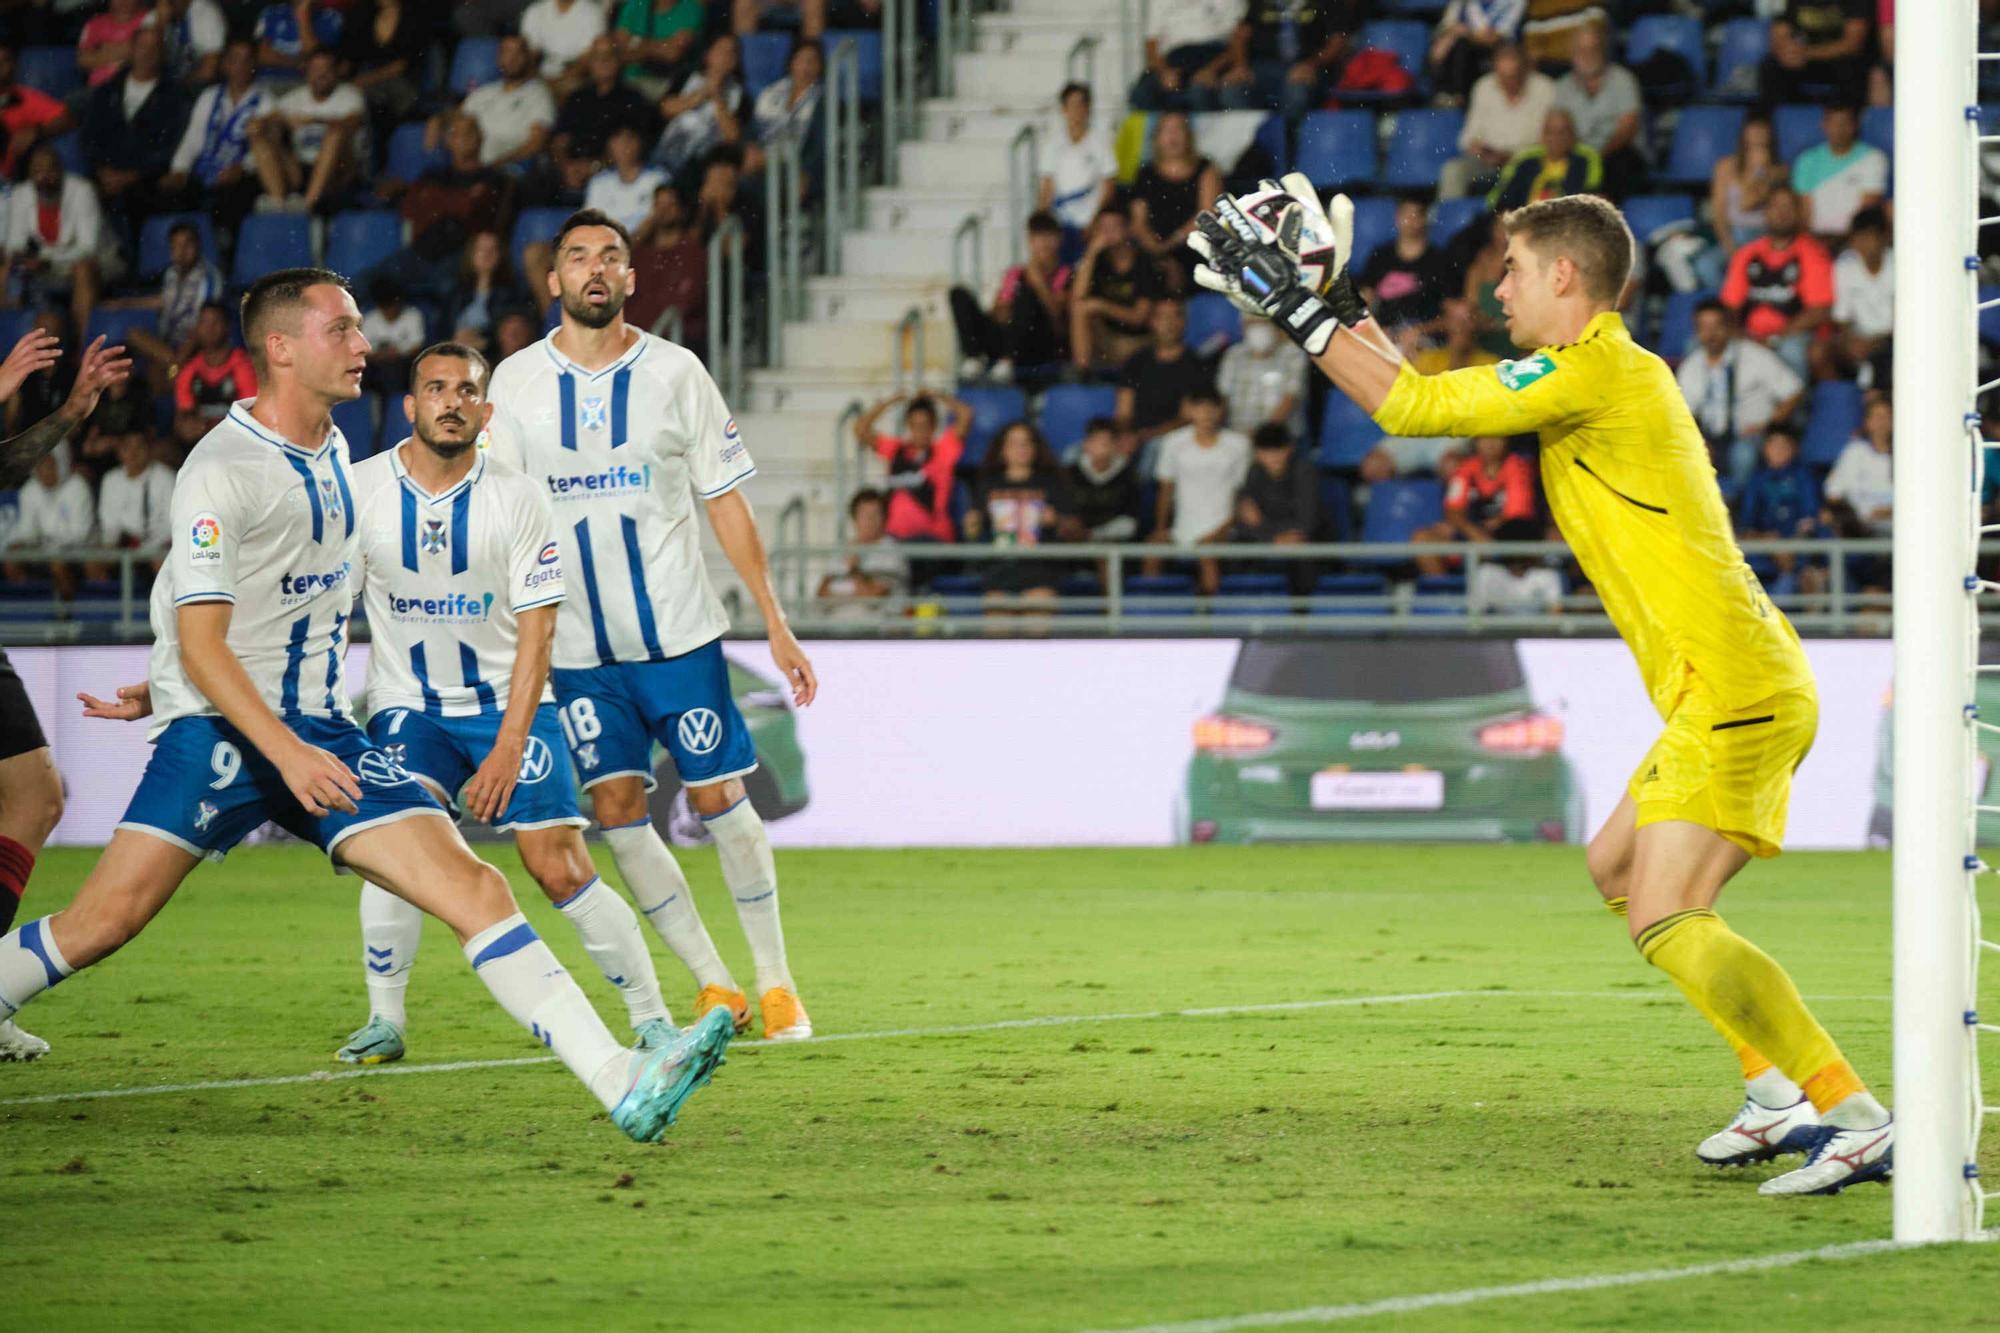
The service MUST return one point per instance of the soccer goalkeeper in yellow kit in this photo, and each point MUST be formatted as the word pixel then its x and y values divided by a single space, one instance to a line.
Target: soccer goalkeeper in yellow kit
pixel 1629 481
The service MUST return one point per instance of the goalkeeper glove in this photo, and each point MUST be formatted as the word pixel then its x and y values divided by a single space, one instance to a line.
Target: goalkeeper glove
pixel 1244 259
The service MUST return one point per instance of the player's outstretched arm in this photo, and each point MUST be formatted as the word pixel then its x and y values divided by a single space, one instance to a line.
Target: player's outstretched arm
pixel 319 780
pixel 493 785
pixel 736 529
pixel 36 351
pixel 134 702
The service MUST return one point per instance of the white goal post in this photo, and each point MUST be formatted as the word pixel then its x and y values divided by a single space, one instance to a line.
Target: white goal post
pixel 1939 460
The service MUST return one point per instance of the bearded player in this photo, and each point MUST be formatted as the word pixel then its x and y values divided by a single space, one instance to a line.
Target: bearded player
pixel 627 430
pixel 1629 481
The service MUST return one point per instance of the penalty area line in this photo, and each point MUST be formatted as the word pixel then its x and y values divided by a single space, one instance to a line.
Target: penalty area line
pixel 887 1034
pixel 1436 1300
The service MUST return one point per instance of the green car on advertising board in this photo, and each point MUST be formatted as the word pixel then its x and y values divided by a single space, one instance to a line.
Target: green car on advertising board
pixel 1433 739
pixel 776 789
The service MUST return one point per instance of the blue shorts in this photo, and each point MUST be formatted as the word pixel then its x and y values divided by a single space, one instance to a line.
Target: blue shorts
pixel 449 750
pixel 611 715
pixel 206 788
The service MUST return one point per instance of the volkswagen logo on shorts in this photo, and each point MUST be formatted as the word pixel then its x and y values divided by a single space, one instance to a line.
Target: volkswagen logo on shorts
pixel 379 770
pixel 700 730
pixel 536 761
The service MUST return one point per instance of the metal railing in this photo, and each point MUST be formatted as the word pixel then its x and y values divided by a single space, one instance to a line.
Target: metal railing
pixel 844 461
pixel 58 619
pixel 671 325
pixel 1024 184
pixel 954 35
pixel 966 239
pixel 792 531
pixel 726 311
pixel 899 80
pixel 910 350
pixel 841 190
pixel 784 245
pixel 1082 61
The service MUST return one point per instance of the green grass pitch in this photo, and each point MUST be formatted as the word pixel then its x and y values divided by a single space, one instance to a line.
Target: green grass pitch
pixel 1067 1176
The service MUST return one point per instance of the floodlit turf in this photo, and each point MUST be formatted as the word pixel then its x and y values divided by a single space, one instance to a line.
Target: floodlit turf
pixel 1090 1175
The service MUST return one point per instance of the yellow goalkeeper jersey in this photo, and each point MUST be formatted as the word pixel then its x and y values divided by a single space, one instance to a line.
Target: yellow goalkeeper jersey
pixel 1629 481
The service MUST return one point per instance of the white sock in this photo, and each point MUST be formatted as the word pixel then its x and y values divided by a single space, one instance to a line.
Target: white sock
pixel 1857 1110
pixel 30 963
pixel 535 991
pixel 752 877
pixel 610 935
pixel 390 931
pixel 1771 1088
pixel 661 891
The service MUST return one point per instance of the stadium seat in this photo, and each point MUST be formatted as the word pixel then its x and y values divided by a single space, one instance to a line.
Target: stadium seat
pixel 1797 127
pixel 153 241
pixel 1397 509
pixel 407 157
pixel 1212 323
pixel 957 585
pixel 359 239
pixel 49 69
pixel 1336 148
pixel 1346 432
pixel 356 420
pixel 1835 418
pixel 1273 137
pixel 1669 32
pixel 1439 595
pixel 476 61
pixel 1703 135
pixel 69 147
pixel 1424 8
pixel 1677 324
pixel 1878 127
pixel 14 324
pixel 115 325
pixel 994 407
pixel 1068 408
pixel 1351 595
pixel 1256 594
pixel 1336 508
pixel 764 56
pixel 868 55
pixel 269 241
pixel 1374 224
pixel 1419 146
pixel 1159 595
pixel 1452 216
pixel 1647 214
pixel 1744 44
pixel 535 224
pixel 1406 39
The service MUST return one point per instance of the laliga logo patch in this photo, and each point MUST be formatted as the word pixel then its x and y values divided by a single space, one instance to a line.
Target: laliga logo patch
pixel 548 555
pixel 593 414
pixel 379 770
pixel 536 762
pixel 700 730
pixel 433 538
pixel 205 538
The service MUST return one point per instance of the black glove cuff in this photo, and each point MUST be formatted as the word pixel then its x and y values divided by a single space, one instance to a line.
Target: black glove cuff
pixel 1345 302
pixel 1304 318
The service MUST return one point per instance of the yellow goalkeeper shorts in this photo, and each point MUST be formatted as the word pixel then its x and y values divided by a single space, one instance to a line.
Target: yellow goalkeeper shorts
pixel 1728 769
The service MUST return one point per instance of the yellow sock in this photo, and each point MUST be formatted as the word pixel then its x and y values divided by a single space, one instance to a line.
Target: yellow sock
pixel 1746 1055
pixel 1616 906
pixel 1750 999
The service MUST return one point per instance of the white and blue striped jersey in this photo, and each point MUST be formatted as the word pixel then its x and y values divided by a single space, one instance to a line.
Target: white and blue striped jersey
pixel 624 452
pixel 444 579
pixel 268 525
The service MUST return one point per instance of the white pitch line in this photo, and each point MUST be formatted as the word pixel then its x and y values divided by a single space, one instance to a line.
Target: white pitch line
pixel 1328 1314
pixel 887 1034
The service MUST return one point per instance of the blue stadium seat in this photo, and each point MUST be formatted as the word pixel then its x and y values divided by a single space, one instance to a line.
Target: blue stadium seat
pixel 1878 127
pixel 14 325
pixel 153 241
pixel 1704 135
pixel 1274 138
pixel 1441 585
pixel 764 55
pixel 1068 408
pixel 1420 145
pixel 994 407
pixel 116 325
pixel 356 420
pixel 868 56
pixel 359 239
pixel 957 585
pixel 1397 509
pixel 1212 323
pixel 535 224
pixel 1797 129
pixel 1646 214
pixel 476 61
pixel 49 69
pixel 1834 419
pixel 1677 324
pixel 1374 225
pixel 1256 594
pixel 1425 8
pixel 69 147
pixel 1346 432
pixel 1159 595
pixel 407 157
pixel 1452 216
pixel 1351 595
pixel 1407 39
pixel 1336 148
pixel 269 241
pixel 1745 42
pixel 1336 507
pixel 1669 32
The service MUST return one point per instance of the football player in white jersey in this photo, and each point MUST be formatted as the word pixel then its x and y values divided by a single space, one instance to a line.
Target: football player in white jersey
pixel 626 430
pixel 460 579
pixel 249 621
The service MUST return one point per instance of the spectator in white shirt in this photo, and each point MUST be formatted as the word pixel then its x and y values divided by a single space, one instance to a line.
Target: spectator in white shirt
pixel 1200 467
pixel 189 283
pixel 1078 169
pixel 195 31
pixel 1516 584
pixel 624 190
pixel 211 169
pixel 1506 114
pixel 395 332
pixel 1862 476
pixel 55 511
pixel 1468 32
pixel 134 501
pixel 1736 387
pixel 708 109
pixel 865 576
pixel 1186 45
pixel 1262 378
pixel 59 250
pixel 515 112
pixel 1864 300
pixel 562 31
pixel 307 148
pixel 789 108
pixel 1840 177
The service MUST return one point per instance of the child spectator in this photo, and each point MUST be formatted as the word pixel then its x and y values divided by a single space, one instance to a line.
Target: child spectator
pixel 1017 501
pixel 921 464
pixel 1029 324
pixel 1199 469
pixel 1840 177
pixel 1078 168
pixel 395 333
pixel 1736 388
pixel 1262 378
pixel 1863 477
pixel 624 189
pixel 212 378
pixel 1864 299
pixel 1105 493
pixel 1116 286
pixel 872 574
pixel 1154 385
pixel 1781 499
pixel 1516 584
pixel 1781 284
pixel 134 501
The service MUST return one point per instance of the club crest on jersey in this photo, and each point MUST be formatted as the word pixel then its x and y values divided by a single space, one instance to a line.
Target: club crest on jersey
pixel 700 730
pixel 329 497
pixel 204 815
pixel 432 539
pixel 536 762
pixel 594 417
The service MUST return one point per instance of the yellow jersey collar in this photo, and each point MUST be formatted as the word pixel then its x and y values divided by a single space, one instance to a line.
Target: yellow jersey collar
pixel 1605 321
